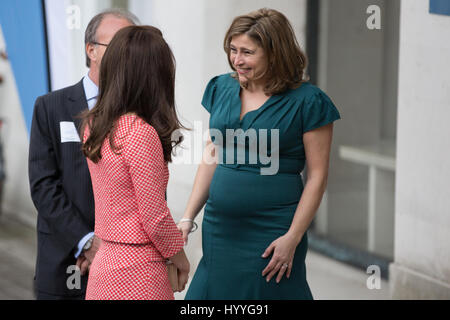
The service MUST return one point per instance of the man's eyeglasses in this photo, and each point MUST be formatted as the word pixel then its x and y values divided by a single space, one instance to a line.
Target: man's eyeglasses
pixel 100 44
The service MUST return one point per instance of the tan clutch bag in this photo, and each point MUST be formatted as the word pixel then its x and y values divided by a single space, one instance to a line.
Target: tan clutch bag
pixel 172 272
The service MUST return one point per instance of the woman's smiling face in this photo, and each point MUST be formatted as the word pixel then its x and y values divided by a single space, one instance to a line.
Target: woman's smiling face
pixel 248 58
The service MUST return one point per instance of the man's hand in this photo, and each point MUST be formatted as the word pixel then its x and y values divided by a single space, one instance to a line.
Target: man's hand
pixel 90 254
pixel 83 264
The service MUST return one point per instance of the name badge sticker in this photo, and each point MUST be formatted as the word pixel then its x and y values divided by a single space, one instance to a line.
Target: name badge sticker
pixel 68 132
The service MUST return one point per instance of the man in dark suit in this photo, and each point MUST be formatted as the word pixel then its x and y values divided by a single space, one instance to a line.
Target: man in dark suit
pixel 59 177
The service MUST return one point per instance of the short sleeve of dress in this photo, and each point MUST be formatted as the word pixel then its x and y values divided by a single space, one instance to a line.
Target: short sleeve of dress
pixel 318 111
pixel 208 96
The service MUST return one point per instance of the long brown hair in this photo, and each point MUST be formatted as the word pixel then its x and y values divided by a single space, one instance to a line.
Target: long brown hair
pixel 272 31
pixel 137 75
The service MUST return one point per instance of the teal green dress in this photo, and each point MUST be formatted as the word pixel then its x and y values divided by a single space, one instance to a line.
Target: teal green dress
pixel 247 210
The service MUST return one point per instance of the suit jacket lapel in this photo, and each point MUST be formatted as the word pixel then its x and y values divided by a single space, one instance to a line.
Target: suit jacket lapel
pixel 77 103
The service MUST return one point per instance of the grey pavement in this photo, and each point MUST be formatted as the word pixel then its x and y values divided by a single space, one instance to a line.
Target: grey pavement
pixel 17 260
pixel 328 278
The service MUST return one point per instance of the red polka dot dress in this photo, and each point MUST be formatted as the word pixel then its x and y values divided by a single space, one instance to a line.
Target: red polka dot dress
pixel 132 217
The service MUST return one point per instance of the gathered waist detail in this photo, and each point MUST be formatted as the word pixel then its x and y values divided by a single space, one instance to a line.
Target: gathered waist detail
pixel 280 166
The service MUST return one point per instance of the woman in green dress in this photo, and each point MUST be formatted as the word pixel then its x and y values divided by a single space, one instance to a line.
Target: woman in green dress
pixel 257 212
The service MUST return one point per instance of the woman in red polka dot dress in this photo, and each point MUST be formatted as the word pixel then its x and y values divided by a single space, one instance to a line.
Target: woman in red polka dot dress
pixel 127 142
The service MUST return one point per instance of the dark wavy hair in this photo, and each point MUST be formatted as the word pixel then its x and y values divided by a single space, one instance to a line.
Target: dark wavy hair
pixel 272 31
pixel 137 75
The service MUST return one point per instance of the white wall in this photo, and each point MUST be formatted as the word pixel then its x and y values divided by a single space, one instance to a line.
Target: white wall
pixel 422 234
pixel 195 31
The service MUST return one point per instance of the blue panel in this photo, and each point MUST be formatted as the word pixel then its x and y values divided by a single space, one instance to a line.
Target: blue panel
pixel 440 7
pixel 22 23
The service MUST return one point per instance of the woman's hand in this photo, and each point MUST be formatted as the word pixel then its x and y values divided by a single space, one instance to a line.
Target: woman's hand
pixel 283 254
pixel 182 264
pixel 185 228
pixel 183 277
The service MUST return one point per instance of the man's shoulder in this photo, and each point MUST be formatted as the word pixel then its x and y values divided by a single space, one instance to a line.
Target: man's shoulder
pixel 58 97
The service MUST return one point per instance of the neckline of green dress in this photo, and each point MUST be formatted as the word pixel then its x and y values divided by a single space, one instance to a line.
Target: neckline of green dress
pixel 239 104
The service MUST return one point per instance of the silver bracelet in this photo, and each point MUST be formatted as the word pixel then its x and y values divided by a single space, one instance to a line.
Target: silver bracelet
pixel 194 227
